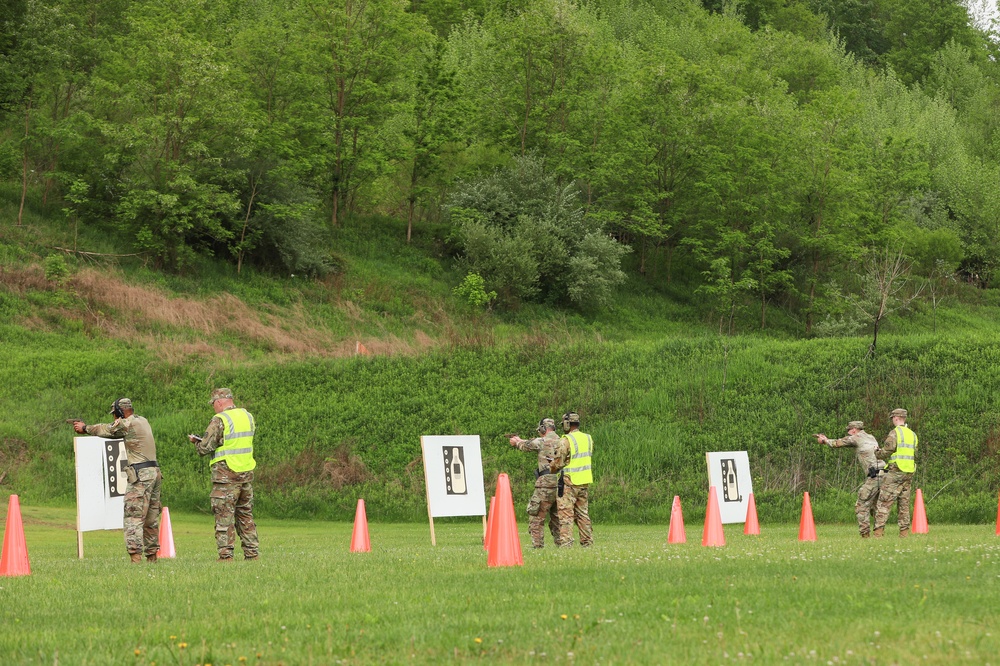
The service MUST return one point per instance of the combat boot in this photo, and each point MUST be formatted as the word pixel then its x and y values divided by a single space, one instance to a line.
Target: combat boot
pixel 879 531
pixel 151 558
pixel 136 558
pixel 249 558
pixel 866 535
pixel 225 559
pixel 905 532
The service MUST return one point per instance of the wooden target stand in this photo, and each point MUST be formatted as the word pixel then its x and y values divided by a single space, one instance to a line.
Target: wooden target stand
pixel 453 478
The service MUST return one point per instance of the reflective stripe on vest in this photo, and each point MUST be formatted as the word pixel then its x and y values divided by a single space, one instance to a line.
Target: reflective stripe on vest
pixel 237 440
pixel 578 470
pixel 906 447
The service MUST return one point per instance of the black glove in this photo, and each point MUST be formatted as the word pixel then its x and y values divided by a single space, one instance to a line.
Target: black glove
pixel 873 472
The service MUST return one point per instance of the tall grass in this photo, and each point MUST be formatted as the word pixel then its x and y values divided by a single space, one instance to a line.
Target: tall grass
pixel 654 409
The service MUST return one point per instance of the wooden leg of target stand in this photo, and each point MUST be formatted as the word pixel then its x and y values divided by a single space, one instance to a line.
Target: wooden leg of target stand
pixel 79 544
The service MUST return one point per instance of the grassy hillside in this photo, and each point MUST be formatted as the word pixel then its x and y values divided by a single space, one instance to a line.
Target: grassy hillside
pixel 654 382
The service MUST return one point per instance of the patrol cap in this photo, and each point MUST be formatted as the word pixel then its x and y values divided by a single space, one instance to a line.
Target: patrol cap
pixel 546 424
pixel 571 417
pixel 220 394
pixel 860 425
pixel 122 404
pixel 898 412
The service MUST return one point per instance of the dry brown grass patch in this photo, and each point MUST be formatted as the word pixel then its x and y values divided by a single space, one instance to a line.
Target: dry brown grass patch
pixel 311 467
pixel 283 330
pixel 22 280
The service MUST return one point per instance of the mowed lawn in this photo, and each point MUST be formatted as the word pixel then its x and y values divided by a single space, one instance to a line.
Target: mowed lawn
pixel 631 598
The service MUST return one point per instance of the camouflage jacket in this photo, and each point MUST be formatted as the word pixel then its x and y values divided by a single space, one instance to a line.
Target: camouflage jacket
pixel 135 430
pixel 866 444
pixel 213 437
pixel 546 448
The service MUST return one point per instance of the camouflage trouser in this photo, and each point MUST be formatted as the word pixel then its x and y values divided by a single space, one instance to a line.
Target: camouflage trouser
pixel 895 489
pixel 142 512
pixel 865 507
pixel 232 504
pixel 542 504
pixel 573 507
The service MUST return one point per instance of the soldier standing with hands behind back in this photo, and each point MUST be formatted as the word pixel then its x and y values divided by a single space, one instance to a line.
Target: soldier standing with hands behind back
pixel 142 494
pixel 229 442
pixel 899 452
pixel 575 450
pixel 868 493
pixel 544 498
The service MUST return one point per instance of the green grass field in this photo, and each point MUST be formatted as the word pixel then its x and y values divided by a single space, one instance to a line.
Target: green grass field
pixel 630 599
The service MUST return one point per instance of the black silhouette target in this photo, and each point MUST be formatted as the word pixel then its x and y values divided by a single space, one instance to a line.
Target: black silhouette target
pixel 115 461
pixel 454 470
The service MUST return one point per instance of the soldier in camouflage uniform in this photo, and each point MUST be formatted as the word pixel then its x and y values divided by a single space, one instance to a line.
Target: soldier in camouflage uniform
pixel 229 440
pixel 142 494
pixel 868 493
pixel 900 467
pixel 543 499
pixel 573 458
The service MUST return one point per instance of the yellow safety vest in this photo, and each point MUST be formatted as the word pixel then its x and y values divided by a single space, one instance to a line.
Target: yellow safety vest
pixel 906 449
pixel 237 440
pixel 578 470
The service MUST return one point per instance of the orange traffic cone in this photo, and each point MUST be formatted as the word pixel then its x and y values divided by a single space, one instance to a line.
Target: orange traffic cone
pixel 505 544
pixel 713 534
pixel 14 559
pixel 807 528
pixel 919 524
pixel 751 526
pixel 360 543
pixel 489 524
pixel 676 532
pixel 166 536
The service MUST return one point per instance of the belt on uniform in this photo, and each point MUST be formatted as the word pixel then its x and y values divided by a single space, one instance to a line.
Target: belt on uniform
pixel 539 473
pixel 144 465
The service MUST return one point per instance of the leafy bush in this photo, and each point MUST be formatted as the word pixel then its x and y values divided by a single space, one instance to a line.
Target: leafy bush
pixel 473 291
pixel 529 238
pixel 56 269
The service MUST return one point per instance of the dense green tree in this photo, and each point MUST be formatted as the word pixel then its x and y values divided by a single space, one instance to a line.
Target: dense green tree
pixel 530 239
pixel 12 16
pixel 35 65
pixel 170 121
pixel 434 127
pixel 857 23
pixel 917 29
pixel 361 53
pixel 279 208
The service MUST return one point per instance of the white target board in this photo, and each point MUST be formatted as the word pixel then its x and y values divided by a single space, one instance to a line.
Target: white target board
pixel 729 472
pixel 453 472
pixel 100 483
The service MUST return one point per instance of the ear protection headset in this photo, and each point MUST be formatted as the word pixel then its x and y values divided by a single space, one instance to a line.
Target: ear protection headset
pixel 116 410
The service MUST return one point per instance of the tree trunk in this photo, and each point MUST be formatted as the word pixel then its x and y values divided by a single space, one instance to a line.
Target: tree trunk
pixel 24 164
pixel 246 222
